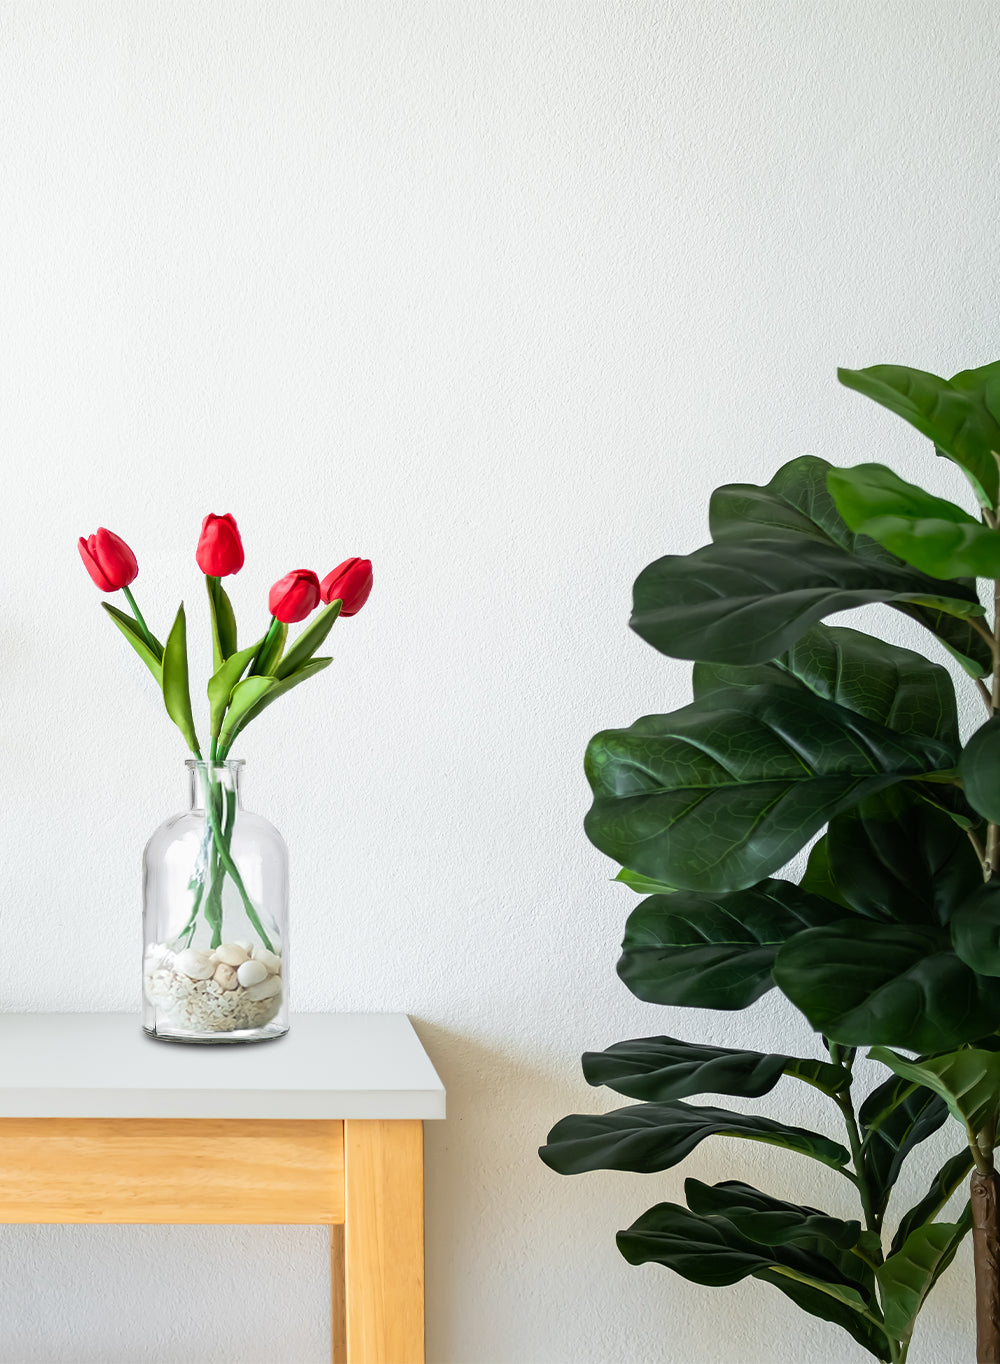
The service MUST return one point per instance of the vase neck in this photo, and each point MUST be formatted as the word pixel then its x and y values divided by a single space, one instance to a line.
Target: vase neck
pixel 207 776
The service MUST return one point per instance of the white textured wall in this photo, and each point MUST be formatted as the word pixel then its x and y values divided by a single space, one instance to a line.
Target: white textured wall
pixel 494 294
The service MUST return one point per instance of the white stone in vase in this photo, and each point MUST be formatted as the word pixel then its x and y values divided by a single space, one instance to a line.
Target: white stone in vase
pixel 251 973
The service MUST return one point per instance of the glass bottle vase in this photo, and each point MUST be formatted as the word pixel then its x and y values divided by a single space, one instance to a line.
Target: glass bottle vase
pixel 215 910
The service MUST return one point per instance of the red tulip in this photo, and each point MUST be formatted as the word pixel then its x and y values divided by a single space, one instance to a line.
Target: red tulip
pixel 220 549
pixel 108 560
pixel 351 581
pixel 294 596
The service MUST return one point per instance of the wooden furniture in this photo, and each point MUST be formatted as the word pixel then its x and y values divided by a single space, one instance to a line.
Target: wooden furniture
pixel 99 1123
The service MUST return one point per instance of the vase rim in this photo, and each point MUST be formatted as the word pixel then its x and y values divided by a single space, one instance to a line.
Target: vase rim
pixel 194 763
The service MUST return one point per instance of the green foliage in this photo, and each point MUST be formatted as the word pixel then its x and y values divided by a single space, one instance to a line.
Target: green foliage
pixel 310 640
pixel 153 658
pixel 223 622
pixel 798 733
pixel 176 691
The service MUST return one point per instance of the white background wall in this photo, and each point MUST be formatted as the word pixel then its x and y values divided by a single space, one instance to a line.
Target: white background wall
pixel 493 294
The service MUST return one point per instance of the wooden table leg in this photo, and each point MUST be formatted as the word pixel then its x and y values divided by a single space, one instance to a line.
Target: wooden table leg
pixel 383 1238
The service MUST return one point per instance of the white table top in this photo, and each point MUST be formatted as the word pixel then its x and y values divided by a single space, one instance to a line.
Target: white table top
pixel 99 1065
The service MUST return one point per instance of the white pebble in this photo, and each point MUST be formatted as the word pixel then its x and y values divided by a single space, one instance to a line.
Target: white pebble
pixel 232 953
pixel 251 973
pixel 265 990
pixel 269 959
pixel 194 964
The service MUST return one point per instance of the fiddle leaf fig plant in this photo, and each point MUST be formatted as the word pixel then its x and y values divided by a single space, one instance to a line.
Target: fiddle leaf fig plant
pixel 800 733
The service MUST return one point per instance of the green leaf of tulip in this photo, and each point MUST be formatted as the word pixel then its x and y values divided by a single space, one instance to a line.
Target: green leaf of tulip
pixel 714 952
pixel 723 792
pixel 710 1250
pixel 781 560
pixel 268 693
pixel 176 692
pixel 863 983
pixel 960 415
pixel 222 682
pixel 272 647
pixel 911 1272
pixel 897 1116
pixel 245 696
pixel 657 1069
pixel 645 1138
pixel 967 1080
pixel 223 622
pixel 931 534
pixel 153 659
pixel 978 768
pixel 310 640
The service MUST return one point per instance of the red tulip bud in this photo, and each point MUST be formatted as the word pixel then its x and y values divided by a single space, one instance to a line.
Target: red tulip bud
pixel 351 581
pixel 220 549
pixel 294 596
pixel 108 560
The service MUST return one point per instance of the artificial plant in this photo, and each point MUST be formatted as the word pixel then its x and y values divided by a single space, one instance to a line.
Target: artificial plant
pixel 890 942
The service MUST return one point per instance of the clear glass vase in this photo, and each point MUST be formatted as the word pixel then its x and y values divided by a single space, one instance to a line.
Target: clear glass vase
pixel 215 910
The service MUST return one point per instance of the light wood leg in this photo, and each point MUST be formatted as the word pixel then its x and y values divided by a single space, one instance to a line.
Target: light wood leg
pixel 384 1241
pixel 338 1296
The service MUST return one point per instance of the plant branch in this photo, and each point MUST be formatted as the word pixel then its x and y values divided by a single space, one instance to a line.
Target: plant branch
pixel 993 830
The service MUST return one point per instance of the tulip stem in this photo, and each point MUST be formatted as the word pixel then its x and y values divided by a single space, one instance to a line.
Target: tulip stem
pixel 262 649
pixel 139 620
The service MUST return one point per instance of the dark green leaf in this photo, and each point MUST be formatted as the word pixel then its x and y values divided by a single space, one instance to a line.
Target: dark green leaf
pixel 723 792
pixel 649 1137
pixel 223 622
pixel 153 659
pixel 979 768
pixel 911 1272
pixel 897 858
pixel 782 560
pixel 958 414
pixel 176 693
pixel 643 885
pixel 975 930
pixel 714 952
pixel 895 1118
pixel 662 1068
pixel 861 982
pixel 931 534
pixel 310 639
pixel 222 682
pixel 269 660
pixel 968 1081
pixel 818 878
pixel 271 693
pixel 709 1250
pixel 949 1178
pixel 894 687
pixel 773 1222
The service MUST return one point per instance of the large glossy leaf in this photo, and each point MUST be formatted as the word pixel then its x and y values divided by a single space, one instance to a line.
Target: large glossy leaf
pixel 773 1222
pixel 661 1068
pixel 862 983
pixel 960 415
pixel 650 1137
pixel 897 858
pixel 643 885
pixel 933 535
pixel 895 1118
pixel 817 879
pixel 723 792
pixel 176 691
pixel 908 1275
pixel 714 951
pixel 950 1177
pixel 310 639
pixel 895 687
pixel 222 682
pixel 979 769
pixel 710 1250
pixel 223 622
pixel 968 1081
pixel 781 560
pixel 153 658
pixel 975 930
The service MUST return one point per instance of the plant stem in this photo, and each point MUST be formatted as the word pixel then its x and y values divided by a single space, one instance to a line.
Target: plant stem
pixel 993 830
pixel 271 629
pixel 144 628
pixel 226 858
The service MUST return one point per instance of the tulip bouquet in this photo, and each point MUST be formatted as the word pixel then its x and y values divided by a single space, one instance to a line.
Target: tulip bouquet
pixel 243 683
